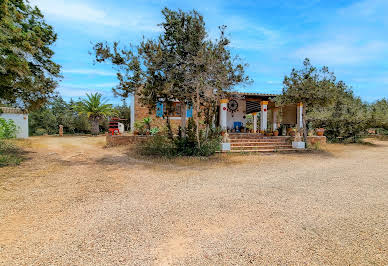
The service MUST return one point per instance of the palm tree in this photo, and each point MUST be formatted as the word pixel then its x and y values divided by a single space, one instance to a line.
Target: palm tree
pixel 95 108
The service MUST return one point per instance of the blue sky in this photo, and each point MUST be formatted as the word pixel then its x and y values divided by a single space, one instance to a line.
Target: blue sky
pixel 350 37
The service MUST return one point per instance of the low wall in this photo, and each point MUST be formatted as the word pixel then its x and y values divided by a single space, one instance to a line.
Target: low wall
pixel 124 140
pixel 312 140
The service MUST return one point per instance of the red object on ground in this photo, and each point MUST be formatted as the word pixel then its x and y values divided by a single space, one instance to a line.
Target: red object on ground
pixel 114 126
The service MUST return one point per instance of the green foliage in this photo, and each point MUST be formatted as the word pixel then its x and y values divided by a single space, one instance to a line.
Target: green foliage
pixel 346 120
pixel 312 86
pixel 28 76
pixel 8 129
pixel 181 64
pixel 40 132
pixel 10 154
pixel 159 145
pixel 46 120
pixel 96 109
pixel 124 112
pixel 140 127
pixel 154 131
pixel 328 103
pixel 147 122
pixel 182 145
pixel 379 112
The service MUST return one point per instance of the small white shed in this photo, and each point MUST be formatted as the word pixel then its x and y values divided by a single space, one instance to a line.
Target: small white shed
pixel 20 118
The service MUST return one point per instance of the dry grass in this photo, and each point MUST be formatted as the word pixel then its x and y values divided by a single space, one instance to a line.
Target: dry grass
pixel 76 202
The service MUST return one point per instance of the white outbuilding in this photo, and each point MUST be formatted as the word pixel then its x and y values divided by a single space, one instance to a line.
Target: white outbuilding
pixel 20 118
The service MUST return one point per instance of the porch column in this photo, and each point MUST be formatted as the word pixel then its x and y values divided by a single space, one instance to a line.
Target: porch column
pixel 275 119
pixel 254 122
pixel 263 116
pixel 224 113
pixel 299 118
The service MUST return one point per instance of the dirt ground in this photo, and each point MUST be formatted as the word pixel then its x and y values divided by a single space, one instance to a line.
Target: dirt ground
pixel 75 202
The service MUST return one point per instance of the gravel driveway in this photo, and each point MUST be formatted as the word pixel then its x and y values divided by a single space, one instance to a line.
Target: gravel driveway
pixel 75 202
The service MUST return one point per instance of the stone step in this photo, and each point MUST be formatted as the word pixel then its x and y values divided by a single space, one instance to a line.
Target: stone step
pixel 264 150
pixel 244 136
pixel 246 143
pixel 259 140
pixel 258 147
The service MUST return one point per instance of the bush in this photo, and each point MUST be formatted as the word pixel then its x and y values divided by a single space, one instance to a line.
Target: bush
pixel 162 145
pixel 158 145
pixel 8 129
pixel 40 132
pixel 10 154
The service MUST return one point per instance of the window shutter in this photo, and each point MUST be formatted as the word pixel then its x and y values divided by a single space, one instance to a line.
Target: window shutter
pixel 189 111
pixel 159 109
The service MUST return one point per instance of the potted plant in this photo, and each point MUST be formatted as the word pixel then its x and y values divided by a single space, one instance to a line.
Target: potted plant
pixel 268 133
pixel 320 131
pixel 154 131
pixel 291 132
pixel 147 123
pixel 276 133
pixel 139 128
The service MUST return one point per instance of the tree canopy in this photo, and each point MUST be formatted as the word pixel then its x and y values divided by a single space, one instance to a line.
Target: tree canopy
pixel 28 75
pixel 181 64
pixel 96 108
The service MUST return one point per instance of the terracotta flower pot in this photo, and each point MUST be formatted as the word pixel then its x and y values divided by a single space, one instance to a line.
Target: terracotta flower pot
pixel 320 131
pixel 276 133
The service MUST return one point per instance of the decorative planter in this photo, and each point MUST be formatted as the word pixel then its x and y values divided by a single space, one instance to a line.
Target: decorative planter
pixel 276 133
pixel 320 131
pixel 292 133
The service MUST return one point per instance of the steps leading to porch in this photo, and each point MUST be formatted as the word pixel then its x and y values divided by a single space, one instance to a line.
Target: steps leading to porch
pixel 248 142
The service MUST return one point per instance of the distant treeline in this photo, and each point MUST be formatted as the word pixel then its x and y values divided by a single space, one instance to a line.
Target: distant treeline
pixel 46 120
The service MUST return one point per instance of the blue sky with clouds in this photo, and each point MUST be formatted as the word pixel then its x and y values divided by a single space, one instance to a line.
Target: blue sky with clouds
pixel 350 37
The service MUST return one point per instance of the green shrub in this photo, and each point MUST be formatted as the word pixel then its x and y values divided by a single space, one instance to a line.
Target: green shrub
pixel 8 129
pixel 187 145
pixel 10 154
pixel 40 132
pixel 154 131
pixel 158 145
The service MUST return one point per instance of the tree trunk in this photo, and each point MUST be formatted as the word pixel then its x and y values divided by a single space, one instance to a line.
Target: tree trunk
pixel 183 119
pixel 197 120
pixel 169 130
pixel 95 130
pixel 305 132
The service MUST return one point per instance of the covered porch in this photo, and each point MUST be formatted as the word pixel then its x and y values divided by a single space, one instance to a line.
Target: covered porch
pixel 257 113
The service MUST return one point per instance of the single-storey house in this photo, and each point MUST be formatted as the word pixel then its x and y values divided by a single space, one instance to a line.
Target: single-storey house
pixel 233 113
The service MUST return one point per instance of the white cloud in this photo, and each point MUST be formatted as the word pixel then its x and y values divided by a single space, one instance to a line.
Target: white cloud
pixel 82 11
pixel 342 52
pixel 75 11
pixel 89 72
pixel 274 82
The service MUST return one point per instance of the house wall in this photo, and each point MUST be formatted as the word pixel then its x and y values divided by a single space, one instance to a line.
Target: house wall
pixel 289 114
pixel 237 116
pixel 142 112
pixel 21 121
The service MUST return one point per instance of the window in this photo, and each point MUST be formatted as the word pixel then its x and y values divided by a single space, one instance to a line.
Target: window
pixel 176 109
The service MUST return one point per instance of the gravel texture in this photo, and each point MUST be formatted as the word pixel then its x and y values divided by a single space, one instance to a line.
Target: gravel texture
pixel 77 203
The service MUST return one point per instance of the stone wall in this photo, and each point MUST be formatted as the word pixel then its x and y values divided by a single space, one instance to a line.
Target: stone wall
pixel 142 112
